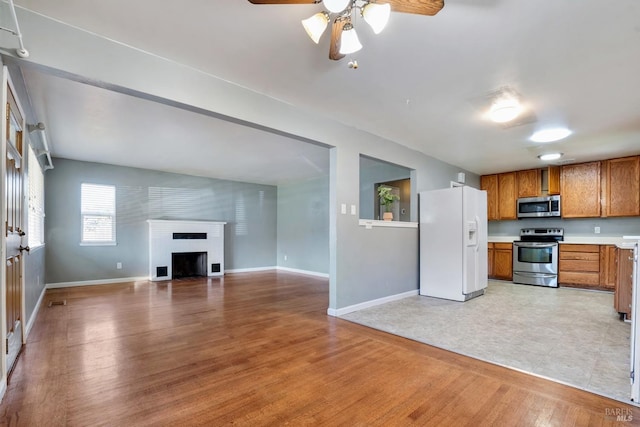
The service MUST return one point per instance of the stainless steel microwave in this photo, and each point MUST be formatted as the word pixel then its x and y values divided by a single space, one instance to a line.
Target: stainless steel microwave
pixel 539 207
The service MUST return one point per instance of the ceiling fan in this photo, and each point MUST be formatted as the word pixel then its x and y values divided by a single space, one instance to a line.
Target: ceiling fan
pixel 343 37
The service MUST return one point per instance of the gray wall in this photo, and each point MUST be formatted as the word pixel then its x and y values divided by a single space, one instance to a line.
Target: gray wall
pixel 303 225
pixel 577 227
pixel 34 279
pixel 249 209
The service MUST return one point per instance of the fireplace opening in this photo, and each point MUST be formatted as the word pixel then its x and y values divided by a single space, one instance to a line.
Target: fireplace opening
pixel 188 264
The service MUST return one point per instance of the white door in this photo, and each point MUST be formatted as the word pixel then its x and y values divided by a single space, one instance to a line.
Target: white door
pixel 14 229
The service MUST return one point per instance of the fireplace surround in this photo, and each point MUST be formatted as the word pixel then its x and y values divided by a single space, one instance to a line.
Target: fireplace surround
pixel 185 248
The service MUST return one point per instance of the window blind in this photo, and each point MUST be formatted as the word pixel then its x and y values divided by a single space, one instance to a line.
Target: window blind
pixel 35 213
pixel 98 210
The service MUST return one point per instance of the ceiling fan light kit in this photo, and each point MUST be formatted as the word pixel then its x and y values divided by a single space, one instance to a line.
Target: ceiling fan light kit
pixel 375 14
pixel 336 6
pixel 316 25
pixel 349 42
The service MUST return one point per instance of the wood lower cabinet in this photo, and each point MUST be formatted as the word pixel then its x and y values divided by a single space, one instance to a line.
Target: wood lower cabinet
pixel 490 259
pixel 579 266
pixel 501 261
pixel 624 282
pixel 608 267
pixel 580 189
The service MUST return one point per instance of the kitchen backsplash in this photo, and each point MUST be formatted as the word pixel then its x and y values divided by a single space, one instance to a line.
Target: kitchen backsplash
pixel 578 227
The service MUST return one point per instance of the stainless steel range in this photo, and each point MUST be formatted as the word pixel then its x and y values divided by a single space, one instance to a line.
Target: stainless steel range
pixel 535 256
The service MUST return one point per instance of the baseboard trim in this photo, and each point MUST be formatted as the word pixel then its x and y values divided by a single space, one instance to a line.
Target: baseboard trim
pixel 3 387
pixel 34 314
pixel 305 272
pixel 372 303
pixel 249 270
pixel 96 282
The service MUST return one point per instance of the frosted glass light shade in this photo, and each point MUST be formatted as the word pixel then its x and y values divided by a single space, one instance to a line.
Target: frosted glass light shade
pixel 550 156
pixel 316 25
pixel 349 42
pixel 550 135
pixel 504 110
pixel 335 6
pixel 376 15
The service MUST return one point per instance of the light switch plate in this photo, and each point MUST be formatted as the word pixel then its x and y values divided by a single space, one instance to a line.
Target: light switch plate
pixel 353 209
pixel 343 209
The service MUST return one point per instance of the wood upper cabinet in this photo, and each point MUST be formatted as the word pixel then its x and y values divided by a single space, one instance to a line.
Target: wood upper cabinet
pixel 621 187
pixel 580 189
pixel 489 183
pixel 553 185
pixel 507 195
pixel 529 183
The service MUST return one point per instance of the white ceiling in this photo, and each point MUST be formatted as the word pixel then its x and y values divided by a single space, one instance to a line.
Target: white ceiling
pixel 575 63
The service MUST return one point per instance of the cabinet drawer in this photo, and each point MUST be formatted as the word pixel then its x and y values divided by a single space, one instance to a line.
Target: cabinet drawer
pixel 570 247
pixel 579 265
pixel 503 246
pixel 584 256
pixel 570 277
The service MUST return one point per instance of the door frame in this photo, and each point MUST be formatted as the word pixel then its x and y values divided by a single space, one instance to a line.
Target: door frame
pixel 6 84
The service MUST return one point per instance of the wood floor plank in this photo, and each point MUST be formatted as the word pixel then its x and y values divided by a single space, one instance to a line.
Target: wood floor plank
pixel 258 349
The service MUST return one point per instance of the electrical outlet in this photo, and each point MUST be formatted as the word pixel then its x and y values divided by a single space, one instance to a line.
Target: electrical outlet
pixel 119 265
pixel 596 230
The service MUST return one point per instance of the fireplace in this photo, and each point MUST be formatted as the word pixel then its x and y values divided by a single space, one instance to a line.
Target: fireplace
pixel 185 249
pixel 188 264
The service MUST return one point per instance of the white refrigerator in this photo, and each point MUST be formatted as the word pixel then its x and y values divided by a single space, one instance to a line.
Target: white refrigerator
pixel 453 243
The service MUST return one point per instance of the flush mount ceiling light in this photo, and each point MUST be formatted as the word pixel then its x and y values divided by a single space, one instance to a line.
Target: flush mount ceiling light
pixel 550 156
pixel 550 135
pixel 344 39
pixel 505 107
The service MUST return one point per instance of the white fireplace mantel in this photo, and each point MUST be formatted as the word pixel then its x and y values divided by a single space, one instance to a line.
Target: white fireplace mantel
pixel 163 243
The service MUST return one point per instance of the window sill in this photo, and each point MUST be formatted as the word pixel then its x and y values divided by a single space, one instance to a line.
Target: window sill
pixel 370 223
pixel 98 243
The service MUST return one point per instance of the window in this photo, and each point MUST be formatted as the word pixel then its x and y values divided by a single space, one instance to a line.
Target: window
pixel 36 201
pixel 98 211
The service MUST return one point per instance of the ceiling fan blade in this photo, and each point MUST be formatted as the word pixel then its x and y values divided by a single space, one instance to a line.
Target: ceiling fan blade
pixel 419 7
pixel 284 1
pixel 336 32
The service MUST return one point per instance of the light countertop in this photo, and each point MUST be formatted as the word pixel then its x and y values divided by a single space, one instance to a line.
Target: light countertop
pixel 588 239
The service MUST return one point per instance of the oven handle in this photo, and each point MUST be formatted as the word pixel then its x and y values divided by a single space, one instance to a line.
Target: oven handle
pixel 526 273
pixel 535 244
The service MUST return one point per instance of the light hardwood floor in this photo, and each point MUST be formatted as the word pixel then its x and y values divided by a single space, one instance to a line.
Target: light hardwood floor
pixel 259 349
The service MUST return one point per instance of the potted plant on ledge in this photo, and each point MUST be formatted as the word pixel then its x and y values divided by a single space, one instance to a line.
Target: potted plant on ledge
pixel 387 198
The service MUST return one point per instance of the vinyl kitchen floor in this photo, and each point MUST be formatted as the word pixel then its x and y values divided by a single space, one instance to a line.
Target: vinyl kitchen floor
pixel 568 335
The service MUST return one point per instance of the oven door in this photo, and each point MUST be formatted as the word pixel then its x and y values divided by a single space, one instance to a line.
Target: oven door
pixel 535 257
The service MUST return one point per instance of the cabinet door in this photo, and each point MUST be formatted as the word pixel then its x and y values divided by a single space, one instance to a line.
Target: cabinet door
pixel 608 266
pixel 580 189
pixel 489 183
pixel 624 282
pixel 529 183
pixel 490 259
pixel 553 185
pixel 503 261
pixel 507 192
pixel 622 188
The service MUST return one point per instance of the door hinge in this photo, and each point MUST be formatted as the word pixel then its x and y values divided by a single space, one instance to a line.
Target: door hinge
pixel 632 375
pixel 6 346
